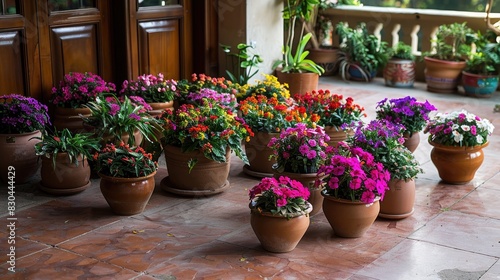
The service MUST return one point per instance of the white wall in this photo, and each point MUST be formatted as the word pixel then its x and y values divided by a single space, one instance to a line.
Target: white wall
pixel 265 29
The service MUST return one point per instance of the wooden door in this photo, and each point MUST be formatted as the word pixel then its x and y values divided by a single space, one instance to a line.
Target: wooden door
pixel 74 37
pixel 19 67
pixel 159 40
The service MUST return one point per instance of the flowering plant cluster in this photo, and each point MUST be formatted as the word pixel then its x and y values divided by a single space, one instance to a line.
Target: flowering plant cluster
pixel 77 89
pixel 333 109
pixel 270 87
pixel 20 114
pixel 124 162
pixel 209 128
pixel 384 140
pixel 225 99
pixel 151 88
pixel 299 149
pixel 113 116
pixel 64 141
pixel 352 173
pixel 269 114
pixel 199 82
pixel 459 128
pixel 282 196
pixel 409 112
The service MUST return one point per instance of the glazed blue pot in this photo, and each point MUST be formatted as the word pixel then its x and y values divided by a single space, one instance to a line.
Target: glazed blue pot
pixel 479 85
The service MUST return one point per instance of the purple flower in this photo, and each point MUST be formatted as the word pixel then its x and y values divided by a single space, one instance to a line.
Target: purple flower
pixel 135 117
pixel 113 109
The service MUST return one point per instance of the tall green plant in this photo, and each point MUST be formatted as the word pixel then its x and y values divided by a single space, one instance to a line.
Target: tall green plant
pixel 452 42
pixel 245 62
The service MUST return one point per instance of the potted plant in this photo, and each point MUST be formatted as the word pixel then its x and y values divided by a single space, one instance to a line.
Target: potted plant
pixel 383 139
pixel 354 183
pixel 444 65
pixel 65 169
pixel 125 119
pixel 127 177
pixel 458 139
pixel 299 152
pixel 410 113
pixel 400 68
pixel 154 89
pixel 480 76
pixel 23 119
pixel 279 213
pixel 267 117
pixel 301 74
pixel 198 141
pixel 361 54
pixel 334 111
pixel 71 95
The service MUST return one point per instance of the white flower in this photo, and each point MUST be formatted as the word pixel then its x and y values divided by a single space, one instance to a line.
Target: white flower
pixel 465 127
pixel 454 126
pixel 457 137
pixel 479 139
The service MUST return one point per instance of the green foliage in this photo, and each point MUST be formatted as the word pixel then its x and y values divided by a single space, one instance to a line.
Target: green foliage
pixel 361 50
pixel 298 63
pixel 124 162
pixel 244 63
pixel 64 141
pixel 452 42
pixel 402 51
pixel 486 59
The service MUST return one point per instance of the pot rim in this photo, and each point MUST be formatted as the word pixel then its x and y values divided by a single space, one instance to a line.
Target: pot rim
pixel 121 179
pixel 342 200
pixel 454 148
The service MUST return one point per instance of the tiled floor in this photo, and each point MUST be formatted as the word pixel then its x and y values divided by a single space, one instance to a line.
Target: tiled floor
pixel 453 234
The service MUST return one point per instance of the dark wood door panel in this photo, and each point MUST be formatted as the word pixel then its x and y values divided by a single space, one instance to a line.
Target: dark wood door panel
pixel 159 48
pixel 74 49
pixel 11 68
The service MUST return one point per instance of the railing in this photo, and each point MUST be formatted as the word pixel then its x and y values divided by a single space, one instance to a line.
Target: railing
pixel 415 27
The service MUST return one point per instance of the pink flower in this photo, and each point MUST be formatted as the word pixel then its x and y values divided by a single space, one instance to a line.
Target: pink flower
pixel 113 109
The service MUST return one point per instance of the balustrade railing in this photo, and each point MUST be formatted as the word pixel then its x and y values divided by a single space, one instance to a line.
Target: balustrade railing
pixel 415 27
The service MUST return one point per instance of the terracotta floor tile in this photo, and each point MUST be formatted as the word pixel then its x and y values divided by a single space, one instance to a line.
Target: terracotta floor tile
pixel 413 259
pixel 481 202
pixel 436 195
pixel 59 264
pixel 463 231
pixel 493 273
pixel 57 220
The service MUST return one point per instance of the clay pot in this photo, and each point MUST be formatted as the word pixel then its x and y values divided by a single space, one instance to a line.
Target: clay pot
pixel 276 233
pixel 412 142
pixel 399 73
pixel 457 165
pixel 18 151
pixel 399 200
pixel 336 135
pixel 70 118
pixel 443 76
pixel 207 177
pixel 65 177
pixel 127 196
pixel 159 107
pixel 349 218
pixel 258 155
pixel 299 82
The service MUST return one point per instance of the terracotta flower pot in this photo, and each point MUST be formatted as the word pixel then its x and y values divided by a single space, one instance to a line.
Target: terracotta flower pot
pixel 412 142
pixel 159 107
pixel 299 82
pixel 18 151
pixel 398 200
pixel 127 196
pixel 276 233
pixel 442 76
pixel 65 177
pixel 258 155
pixel 348 218
pixel 70 118
pixel 336 135
pixel 457 165
pixel 208 177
